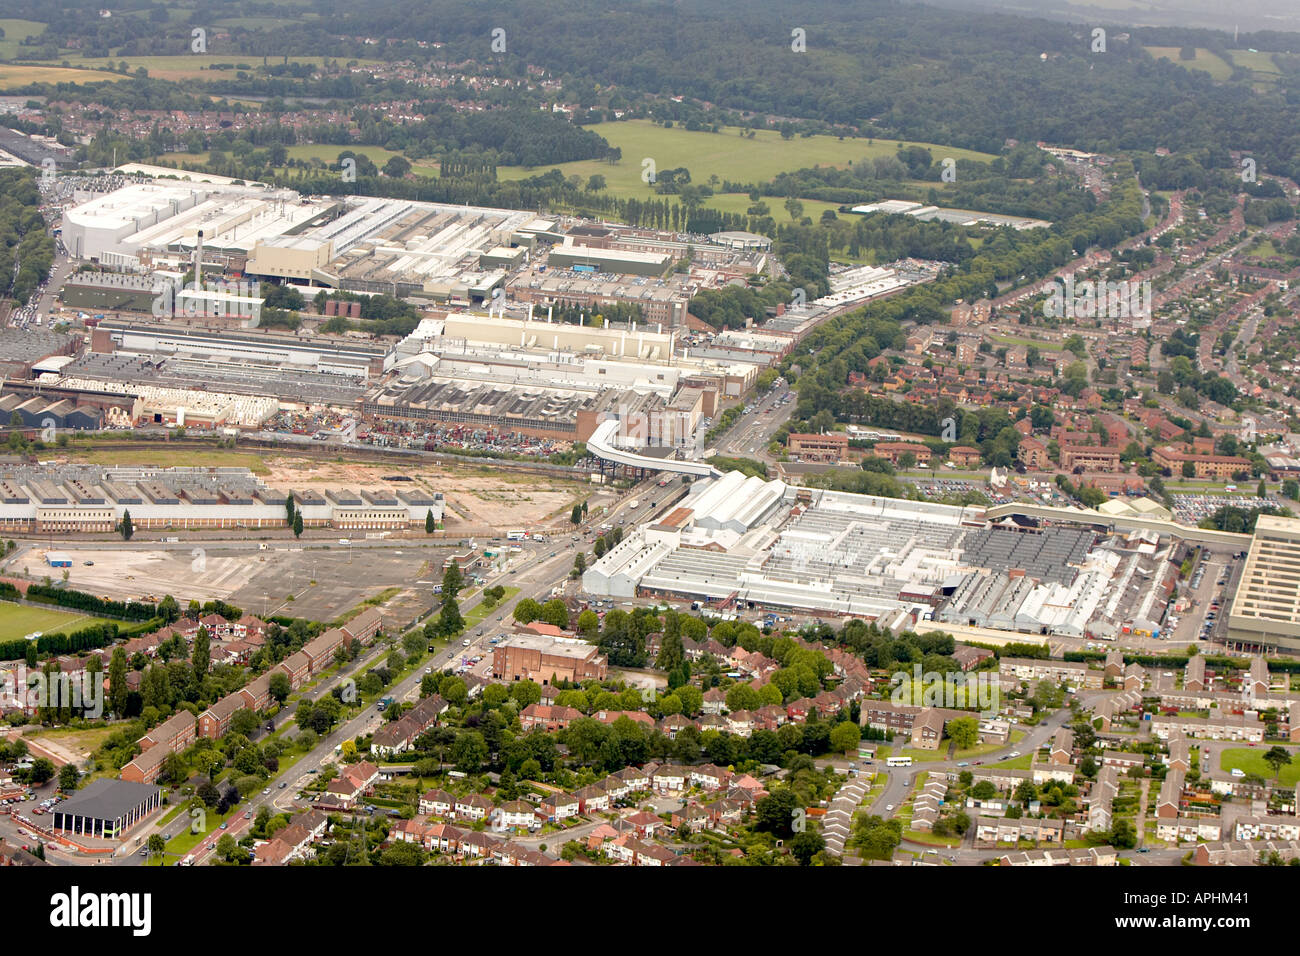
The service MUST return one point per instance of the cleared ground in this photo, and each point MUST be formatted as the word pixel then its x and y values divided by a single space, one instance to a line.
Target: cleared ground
pixel 19 620
pixel 257 581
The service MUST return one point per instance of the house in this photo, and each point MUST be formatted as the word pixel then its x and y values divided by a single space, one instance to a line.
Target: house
pixel 399 735
pixel 1121 761
pixel 1267 828
pixel 592 799
pixel 547 717
pixel 636 780
pixel 1238 853
pixel 473 807
pixel 516 814
pixel 1062 747
pixel 437 802
pixel 709 777
pixel 1183 828
pixel 669 779
pixel 557 807
pixel 646 824
pixel 215 721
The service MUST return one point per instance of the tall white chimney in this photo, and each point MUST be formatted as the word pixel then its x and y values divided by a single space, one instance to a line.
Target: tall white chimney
pixel 198 263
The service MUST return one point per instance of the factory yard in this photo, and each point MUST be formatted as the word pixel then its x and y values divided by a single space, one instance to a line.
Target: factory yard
pixel 478 497
pixel 257 581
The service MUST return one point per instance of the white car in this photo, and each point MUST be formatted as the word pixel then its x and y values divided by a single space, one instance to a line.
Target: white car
pixel 1014 753
pixel 889 806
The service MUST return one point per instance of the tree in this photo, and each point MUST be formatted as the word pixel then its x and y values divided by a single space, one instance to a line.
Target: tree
pixel 430 525
pixel 117 687
pixel 775 813
pixel 201 659
pixel 575 516
pixel 579 564
pixel 156 845
pixel 289 509
pixel 126 527
pixel 297 524
pixel 806 845
pixel 1123 835
pixel 69 775
pixel 527 611
pixel 964 732
pixel 279 686
pixel 1277 758
pixel 469 752
pixel 845 737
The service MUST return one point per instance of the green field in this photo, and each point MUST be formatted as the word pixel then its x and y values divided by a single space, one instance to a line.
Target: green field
pixel 187 66
pixel 1211 63
pixel 19 620
pixel 1251 760
pixel 165 457
pixel 1259 64
pixel 726 155
pixel 15 32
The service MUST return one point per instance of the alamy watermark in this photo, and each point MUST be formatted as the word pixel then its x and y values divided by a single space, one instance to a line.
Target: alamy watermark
pixel 34 690
pixel 1098 299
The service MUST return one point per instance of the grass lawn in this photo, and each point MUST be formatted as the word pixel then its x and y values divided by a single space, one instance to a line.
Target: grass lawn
pixel 930 839
pixel 1211 63
pixel 181 844
pixel 726 155
pixel 479 613
pixel 1251 760
pixel 19 620
pixel 166 457
pixel 1022 762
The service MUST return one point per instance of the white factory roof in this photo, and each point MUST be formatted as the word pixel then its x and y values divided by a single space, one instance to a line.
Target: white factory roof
pixel 123 207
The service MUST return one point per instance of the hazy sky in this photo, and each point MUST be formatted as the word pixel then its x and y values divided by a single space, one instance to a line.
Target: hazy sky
pixel 1213 14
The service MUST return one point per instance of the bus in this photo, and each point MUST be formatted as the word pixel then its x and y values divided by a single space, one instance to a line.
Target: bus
pixel 518 534
pixel 898 762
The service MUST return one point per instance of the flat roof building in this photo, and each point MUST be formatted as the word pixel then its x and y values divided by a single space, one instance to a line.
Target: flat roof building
pixel 106 809
pixel 1266 608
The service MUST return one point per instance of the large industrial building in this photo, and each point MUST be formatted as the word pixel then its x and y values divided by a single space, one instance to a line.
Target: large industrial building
pixel 156 221
pixel 1266 608
pixel 746 541
pixel 38 499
